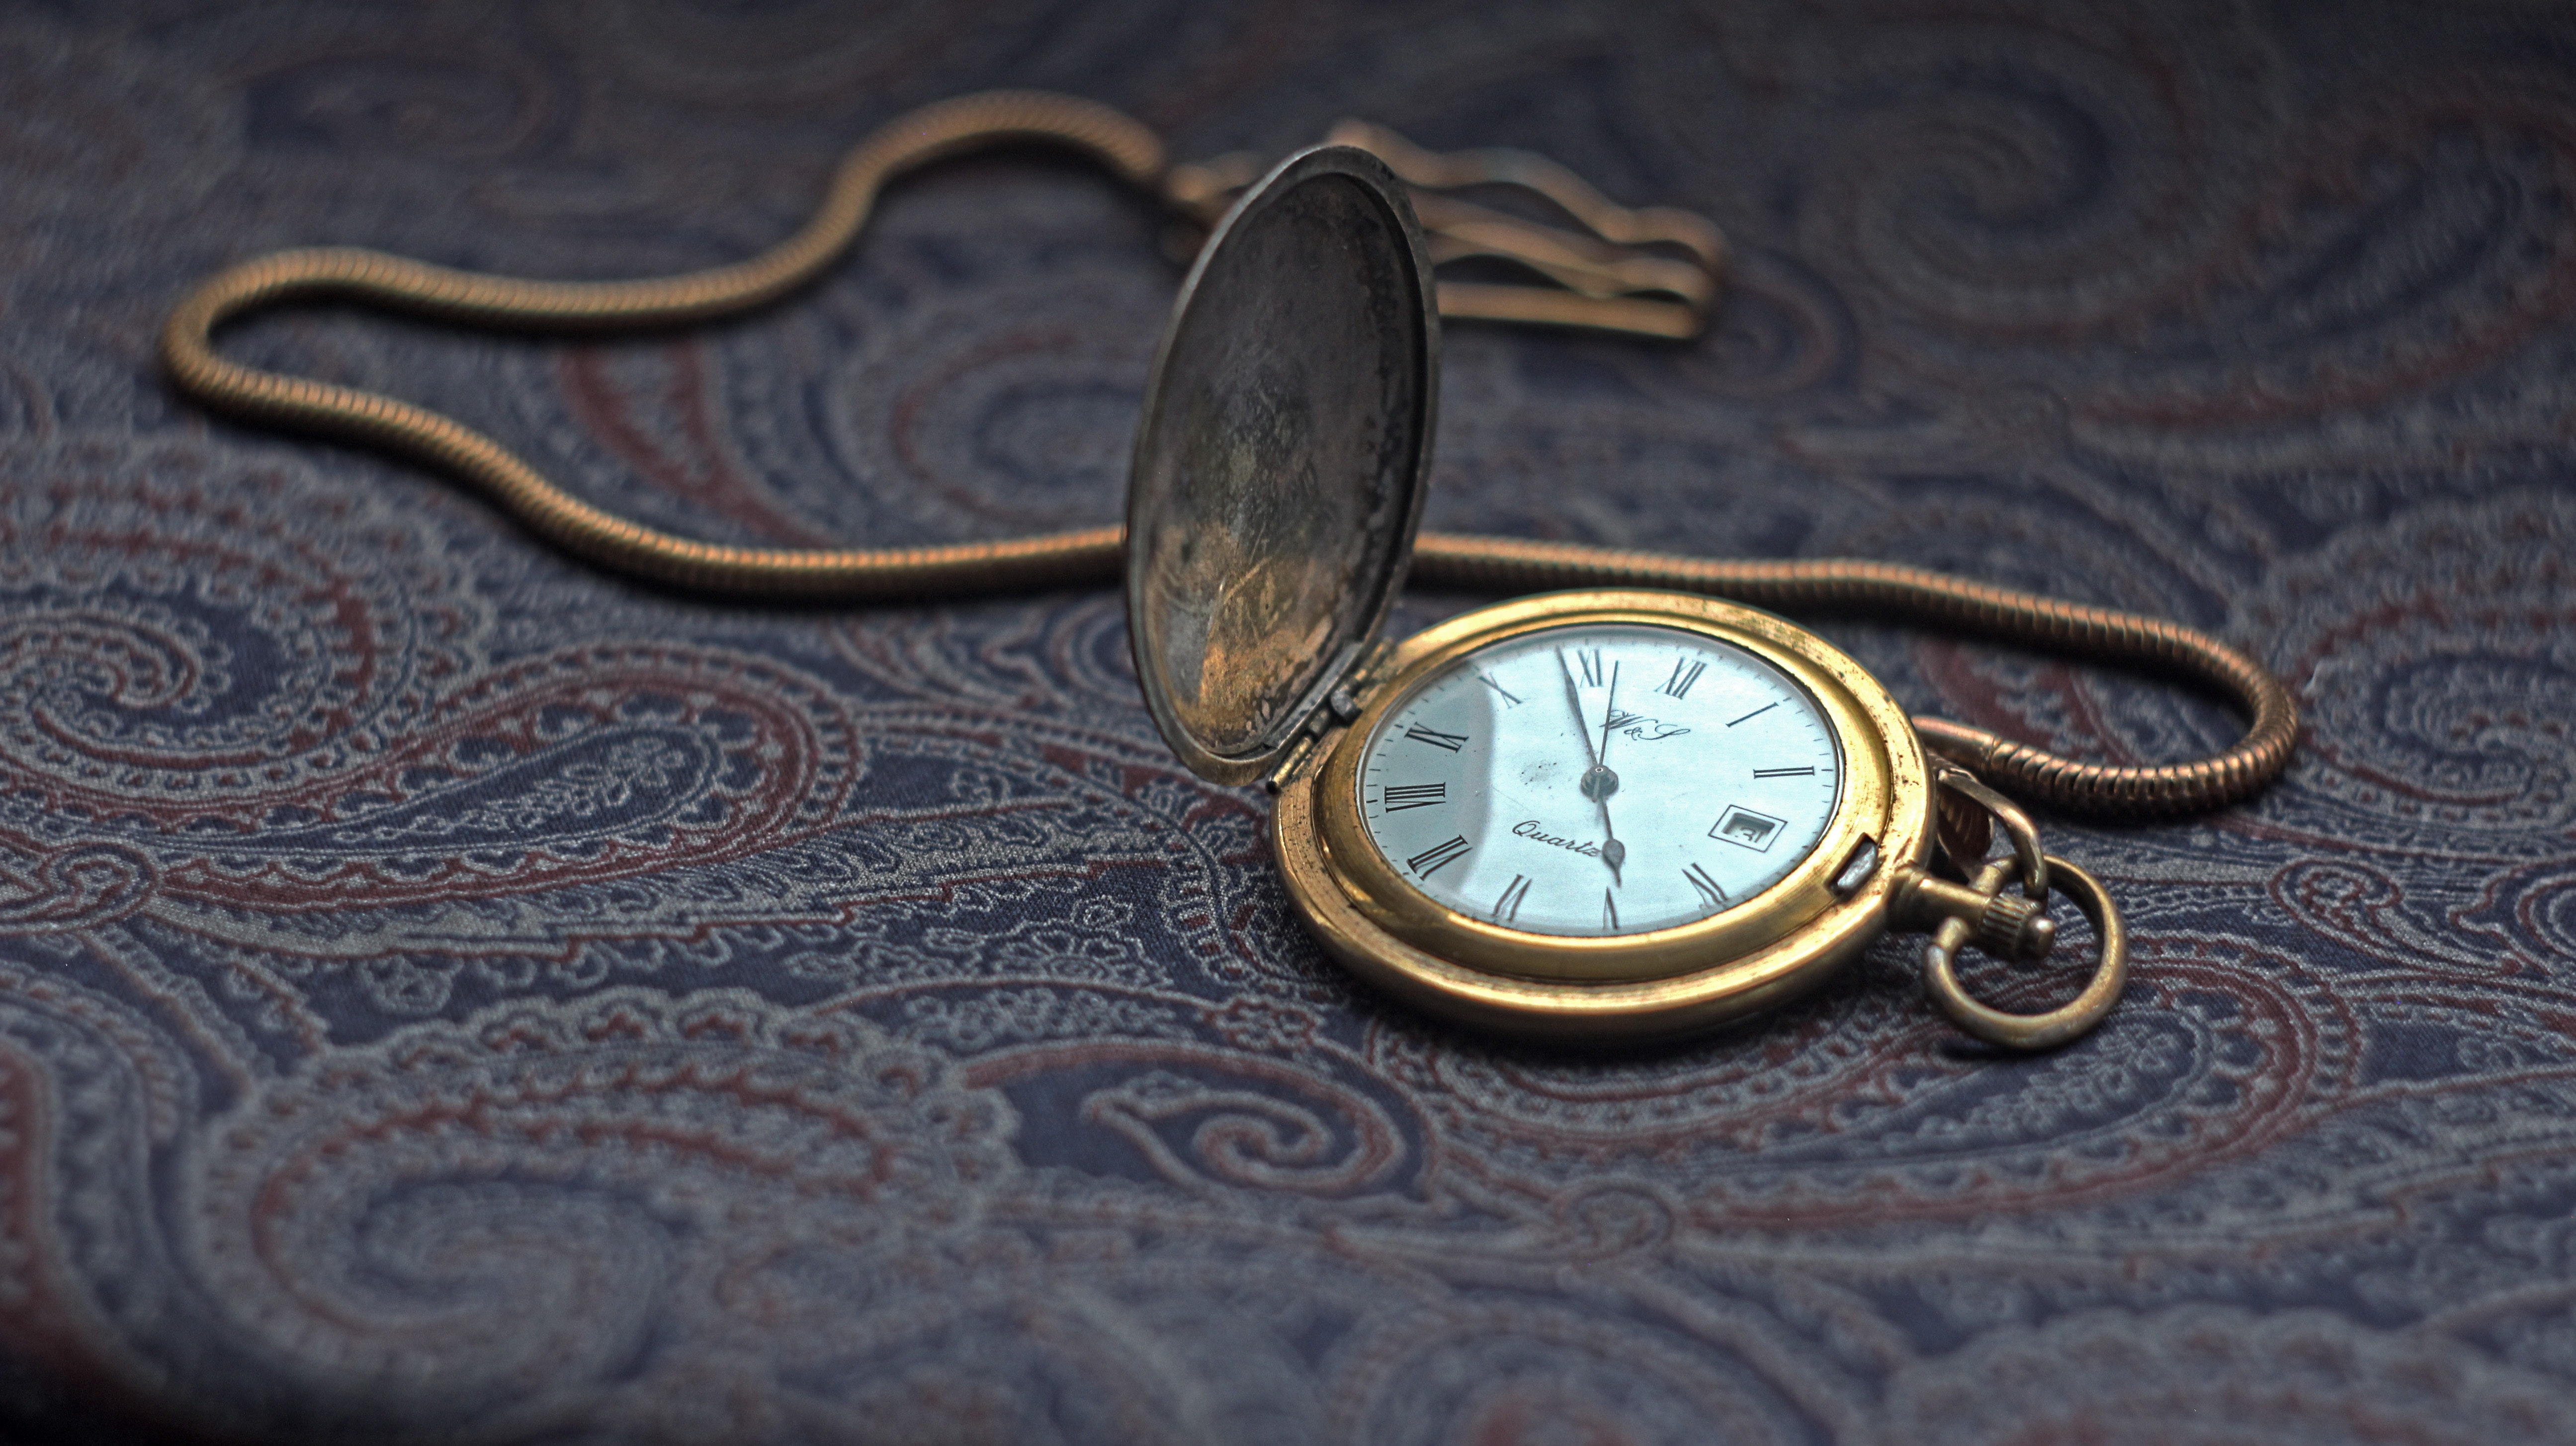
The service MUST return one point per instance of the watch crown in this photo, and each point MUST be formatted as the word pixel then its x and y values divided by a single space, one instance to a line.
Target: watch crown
pixel 2006 926
pixel 2012 927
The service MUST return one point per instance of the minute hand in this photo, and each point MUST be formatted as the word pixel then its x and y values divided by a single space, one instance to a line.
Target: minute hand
pixel 1598 781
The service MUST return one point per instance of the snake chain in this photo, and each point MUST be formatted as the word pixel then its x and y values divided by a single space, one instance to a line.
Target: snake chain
pixel 1093 555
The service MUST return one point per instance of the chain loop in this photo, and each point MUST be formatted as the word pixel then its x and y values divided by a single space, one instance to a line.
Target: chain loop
pixel 2050 1028
pixel 2017 827
pixel 1604 288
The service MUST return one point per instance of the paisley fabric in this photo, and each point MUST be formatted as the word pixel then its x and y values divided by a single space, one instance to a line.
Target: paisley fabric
pixel 450 994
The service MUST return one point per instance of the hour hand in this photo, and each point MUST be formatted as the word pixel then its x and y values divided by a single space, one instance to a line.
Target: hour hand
pixel 1598 784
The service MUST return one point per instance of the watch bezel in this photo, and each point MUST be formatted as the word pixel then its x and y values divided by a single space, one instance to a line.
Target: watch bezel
pixel 1748 957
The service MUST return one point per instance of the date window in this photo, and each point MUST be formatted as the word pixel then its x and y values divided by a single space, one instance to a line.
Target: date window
pixel 1747 829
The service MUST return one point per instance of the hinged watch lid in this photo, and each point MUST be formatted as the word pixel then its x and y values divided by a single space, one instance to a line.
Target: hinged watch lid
pixel 1282 460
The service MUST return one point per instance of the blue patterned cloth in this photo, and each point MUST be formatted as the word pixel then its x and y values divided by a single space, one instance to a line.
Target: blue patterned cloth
pixel 448 993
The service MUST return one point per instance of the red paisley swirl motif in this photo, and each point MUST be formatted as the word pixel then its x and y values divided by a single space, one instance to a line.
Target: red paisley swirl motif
pixel 1022 428
pixel 1065 661
pixel 782 758
pixel 182 640
pixel 2525 921
pixel 2507 286
pixel 2365 908
pixel 239 679
pixel 1203 1116
pixel 502 1208
pixel 657 412
pixel 2428 657
pixel 76 888
pixel 89 1090
pixel 1818 1121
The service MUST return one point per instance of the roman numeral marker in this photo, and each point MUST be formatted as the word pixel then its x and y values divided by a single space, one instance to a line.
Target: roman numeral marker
pixel 1590 661
pixel 1709 893
pixel 1437 739
pixel 1431 860
pixel 1756 713
pixel 1402 796
pixel 1685 672
pixel 1784 772
pixel 1510 698
pixel 1609 912
pixel 1507 909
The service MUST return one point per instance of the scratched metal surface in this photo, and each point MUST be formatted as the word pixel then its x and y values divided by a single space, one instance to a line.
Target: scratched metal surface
pixel 449 994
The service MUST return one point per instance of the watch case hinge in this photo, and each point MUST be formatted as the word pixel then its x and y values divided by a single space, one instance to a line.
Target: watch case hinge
pixel 1298 753
pixel 1362 679
pixel 1345 689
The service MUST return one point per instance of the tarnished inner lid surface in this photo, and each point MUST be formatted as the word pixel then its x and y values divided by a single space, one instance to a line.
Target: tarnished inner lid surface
pixel 1279 470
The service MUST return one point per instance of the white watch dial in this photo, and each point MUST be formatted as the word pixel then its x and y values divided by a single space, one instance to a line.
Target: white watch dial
pixel 1600 779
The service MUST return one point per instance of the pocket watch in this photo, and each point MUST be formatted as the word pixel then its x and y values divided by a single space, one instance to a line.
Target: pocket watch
pixel 1604 814
pixel 1611 813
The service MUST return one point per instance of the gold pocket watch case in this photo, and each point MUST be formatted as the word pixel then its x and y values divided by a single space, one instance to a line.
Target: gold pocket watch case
pixel 1772 863
pixel 1595 815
